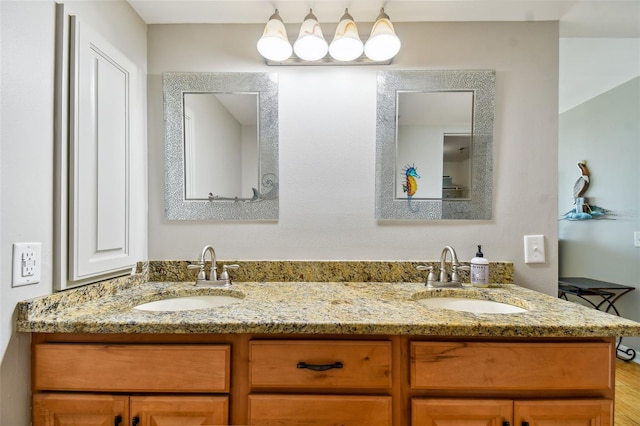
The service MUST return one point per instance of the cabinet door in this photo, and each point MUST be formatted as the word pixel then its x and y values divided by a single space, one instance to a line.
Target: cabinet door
pixel 586 412
pixel 315 410
pixel 103 83
pixel 467 412
pixel 180 410
pixel 75 409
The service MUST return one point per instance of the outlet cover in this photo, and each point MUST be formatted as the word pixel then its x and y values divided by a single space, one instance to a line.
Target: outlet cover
pixel 27 259
pixel 534 249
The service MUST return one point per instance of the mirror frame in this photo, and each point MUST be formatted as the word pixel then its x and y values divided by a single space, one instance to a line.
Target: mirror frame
pixel 479 204
pixel 263 207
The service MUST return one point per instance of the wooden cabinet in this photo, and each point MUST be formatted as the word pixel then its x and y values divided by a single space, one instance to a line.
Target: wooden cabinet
pixel 295 368
pixel 346 410
pixel 79 409
pixel 467 412
pixel 179 410
pixel 542 370
pixel 312 364
pixel 74 384
pixel 496 412
pixel 243 379
pixel 67 409
pixel 564 412
pixel 131 368
pixel 511 366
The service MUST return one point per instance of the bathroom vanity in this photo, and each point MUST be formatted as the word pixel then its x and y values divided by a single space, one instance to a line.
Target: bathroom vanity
pixel 319 353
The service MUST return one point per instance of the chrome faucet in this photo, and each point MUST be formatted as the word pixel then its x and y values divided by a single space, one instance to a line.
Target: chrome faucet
pixel 202 279
pixel 445 279
pixel 444 275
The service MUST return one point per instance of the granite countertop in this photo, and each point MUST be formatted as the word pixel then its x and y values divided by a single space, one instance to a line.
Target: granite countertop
pixel 317 308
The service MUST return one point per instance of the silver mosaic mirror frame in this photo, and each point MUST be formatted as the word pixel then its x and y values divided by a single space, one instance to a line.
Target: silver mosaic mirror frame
pixel 266 205
pixel 479 204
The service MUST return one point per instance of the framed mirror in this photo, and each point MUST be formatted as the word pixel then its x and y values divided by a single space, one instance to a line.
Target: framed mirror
pixel 434 144
pixel 221 146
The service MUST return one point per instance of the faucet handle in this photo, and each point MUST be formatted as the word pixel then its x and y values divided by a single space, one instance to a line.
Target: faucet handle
pixel 431 276
pixel 224 275
pixel 199 265
pixel 455 276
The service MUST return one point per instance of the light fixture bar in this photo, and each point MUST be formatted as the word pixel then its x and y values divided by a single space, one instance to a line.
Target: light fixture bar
pixel 311 47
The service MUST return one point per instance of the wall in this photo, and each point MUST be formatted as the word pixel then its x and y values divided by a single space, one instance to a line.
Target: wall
pixel 27 78
pixel 26 170
pixel 604 131
pixel 327 149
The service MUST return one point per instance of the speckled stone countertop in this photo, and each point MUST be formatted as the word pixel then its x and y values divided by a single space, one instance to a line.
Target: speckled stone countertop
pixel 316 308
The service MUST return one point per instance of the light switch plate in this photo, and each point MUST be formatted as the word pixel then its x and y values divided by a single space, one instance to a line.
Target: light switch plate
pixel 534 249
pixel 27 259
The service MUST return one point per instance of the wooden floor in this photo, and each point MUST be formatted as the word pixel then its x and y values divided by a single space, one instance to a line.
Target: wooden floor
pixel 627 404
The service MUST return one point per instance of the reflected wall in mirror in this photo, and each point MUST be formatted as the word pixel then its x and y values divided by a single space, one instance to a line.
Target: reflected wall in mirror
pixel 434 132
pixel 221 146
pixel 434 139
pixel 220 129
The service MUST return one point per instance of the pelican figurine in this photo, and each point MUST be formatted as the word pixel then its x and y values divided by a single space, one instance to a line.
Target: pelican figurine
pixel 582 184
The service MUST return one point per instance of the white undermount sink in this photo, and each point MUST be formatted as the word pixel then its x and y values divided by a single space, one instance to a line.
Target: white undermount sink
pixel 464 304
pixel 188 303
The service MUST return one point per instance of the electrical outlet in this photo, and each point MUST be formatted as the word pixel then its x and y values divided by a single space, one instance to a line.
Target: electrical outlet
pixel 27 259
pixel 534 249
pixel 636 239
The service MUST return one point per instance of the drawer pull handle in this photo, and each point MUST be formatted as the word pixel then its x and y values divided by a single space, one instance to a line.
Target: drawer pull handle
pixel 135 421
pixel 505 423
pixel 525 423
pixel 117 420
pixel 320 367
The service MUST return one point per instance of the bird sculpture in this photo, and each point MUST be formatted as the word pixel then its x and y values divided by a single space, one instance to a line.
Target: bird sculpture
pixel 582 210
pixel 582 184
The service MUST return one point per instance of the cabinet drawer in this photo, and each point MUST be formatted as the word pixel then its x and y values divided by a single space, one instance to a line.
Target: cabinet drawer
pixel 434 412
pixel 511 366
pixel 131 368
pixel 320 410
pixel 319 364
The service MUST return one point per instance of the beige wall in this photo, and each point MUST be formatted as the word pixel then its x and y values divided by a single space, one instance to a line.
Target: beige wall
pixel 27 161
pixel 327 149
pixel 605 131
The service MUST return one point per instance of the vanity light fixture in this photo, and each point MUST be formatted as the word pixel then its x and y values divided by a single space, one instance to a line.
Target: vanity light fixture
pixel 310 44
pixel 274 44
pixel 310 48
pixel 346 45
pixel 383 43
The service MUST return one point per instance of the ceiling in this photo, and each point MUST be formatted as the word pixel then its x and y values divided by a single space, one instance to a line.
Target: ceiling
pixel 619 18
pixel 587 68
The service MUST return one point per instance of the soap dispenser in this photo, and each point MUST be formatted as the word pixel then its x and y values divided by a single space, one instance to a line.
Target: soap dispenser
pixel 479 269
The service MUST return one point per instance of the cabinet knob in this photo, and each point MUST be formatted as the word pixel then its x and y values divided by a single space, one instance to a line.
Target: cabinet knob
pixel 117 420
pixel 135 421
pixel 525 423
pixel 320 367
pixel 506 423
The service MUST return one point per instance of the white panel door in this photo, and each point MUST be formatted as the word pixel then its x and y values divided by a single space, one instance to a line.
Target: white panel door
pixel 100 95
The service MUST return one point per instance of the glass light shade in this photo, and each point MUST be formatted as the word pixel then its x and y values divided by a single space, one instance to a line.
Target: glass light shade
pixel 383 44
pixel 274 44
pixel 346 45
pixel 310 44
